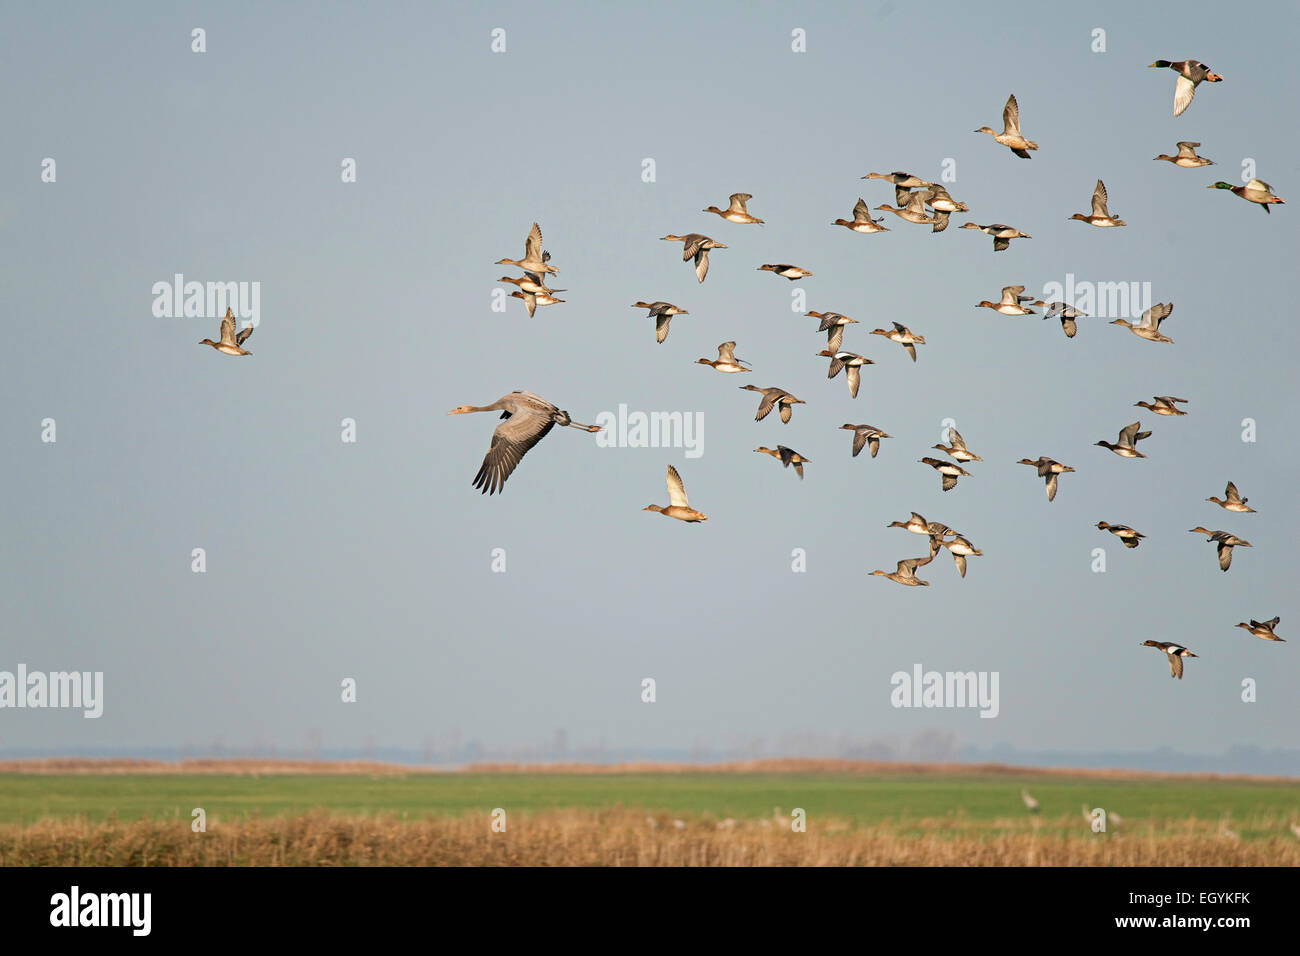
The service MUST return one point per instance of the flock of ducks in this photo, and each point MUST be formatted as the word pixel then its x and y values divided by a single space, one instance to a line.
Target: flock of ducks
pixel 529 418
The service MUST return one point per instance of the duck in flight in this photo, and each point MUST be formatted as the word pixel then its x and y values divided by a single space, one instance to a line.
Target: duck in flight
pixel 903 336
pixel 1067 313
pixel 784 270
pixel 726 360
pixel 1256 191
pixel 678 506
pixel 1010 136
pixel 1002 234
pixel 864 435
pixel 662 313
pixel 787 457
pixel 1191 73
pixel 851 362
pixel 1049 470
pixel 1100 215
pixel 1263 629
pixel 1129 537
pixel 1232 501
pixel 528 419
pixel 956 449
pixel 906 572
pixel 773 397
pixel 1148 327
pixel 862 221
pixel 1163 405
pixel 230 342
pixel 1011 303
pixel 1176 653
pixel 1186 157
pixel 1126 445
pixel 1225 542
pixel 736 211
pixel 832 323
pixel 536 259
pixel 696 246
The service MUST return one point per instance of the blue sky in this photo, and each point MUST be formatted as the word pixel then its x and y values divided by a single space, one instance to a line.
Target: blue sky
pixel 372 560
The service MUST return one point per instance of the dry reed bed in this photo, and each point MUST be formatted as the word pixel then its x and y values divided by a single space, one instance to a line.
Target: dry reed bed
pixel 617 838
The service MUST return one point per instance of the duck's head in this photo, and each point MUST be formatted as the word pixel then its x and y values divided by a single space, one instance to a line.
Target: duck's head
pixel 1220 185
pixel 765 450
pixel 985 129
pixel 704 361
pixel 826 353
pixel 1120 322
pixel 985 304
pixel 1102 525
pixel 713 209
pixel 1213 78
pixel 970 225
pixel 208 342
pixel 461 410
pixel 1149 644
pixel 1162 64
pixel 658 508
pixel 1079 215
pixel 505 262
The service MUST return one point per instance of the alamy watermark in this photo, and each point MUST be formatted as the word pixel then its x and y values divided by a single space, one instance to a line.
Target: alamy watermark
pixel 946 689
pixel 624 429
pixel 82 690
pixel 207 300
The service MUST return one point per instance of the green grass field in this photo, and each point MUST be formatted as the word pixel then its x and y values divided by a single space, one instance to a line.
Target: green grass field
pixel 949 802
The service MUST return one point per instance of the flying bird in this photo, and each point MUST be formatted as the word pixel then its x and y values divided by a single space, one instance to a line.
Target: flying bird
pixel 903 336
pixel 1010 136
pixel 771 398
pixel 1049 470
pixel 736 211
pixel 1163 405
pixel 1263 629
pixel 1002 234
pixel 784 270
pixel 1129 537
pixel 862 221
pixel 1190 75
pixel 1186 157
pixel 1256 191
pixel 536 259
pixel 662 313
pixel 1126 445
pixel 1232 501
pixel 1100 215
pixel 851 362
pixel 230 342
pixel 678 506
pixel 864 435
pixel 1225 542
pixel 696 246
pixel 1148 327
pixel 787 457
pixel 726 360
pixel 528 419
pixel 1176 654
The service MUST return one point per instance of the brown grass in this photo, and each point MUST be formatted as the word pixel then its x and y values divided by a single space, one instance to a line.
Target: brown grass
pixel 256 767
pixel 616 838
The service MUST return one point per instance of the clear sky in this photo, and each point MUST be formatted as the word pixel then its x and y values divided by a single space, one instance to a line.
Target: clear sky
pixel 373 560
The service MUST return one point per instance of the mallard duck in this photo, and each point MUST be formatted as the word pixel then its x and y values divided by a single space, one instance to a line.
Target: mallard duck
pixel 906 572
pixel 696 246
pixel 771 398
pixel 1224 542
pixel 662 313
pixel 678 506
pixel 1126 445
pixel 948 472
pixel 1148 327
pixel 1163 405
pixel 1048 470
pixel 1127 535
pixel 1190 74
pixel 1067 313
pixel 784 270
pixel 903 336
pixel 1100 215
pixel 1232 501
pixel 230 342
pixel 832 323
pixel 1256 191
pixel 958 450
pixel 1011 303
pixel 1186 157
pixel 726 360
pixel 1176 653
pixel 787 457
pixel 736 211
pixel 864 435
pixel 1263 629
pixel 1002 234
pixel 862 221
pixel 1010 136
pixel 850 361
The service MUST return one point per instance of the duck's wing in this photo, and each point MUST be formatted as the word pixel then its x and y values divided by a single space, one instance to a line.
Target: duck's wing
pixel 1153 316
pixel 765 405
pixel 940 220
pixel 859 441
pixel 691 243
pixel 862 212
pixel 948 482
pixel 1011 115
pixel 955 439
pixel 835 337
pixel 910 349
pixel 530 301
pixel 837 363
pixel 1175 665
pixel 725 353
pixel 1011 295
pixel 902 195
pixel 243 335
pixel 1000 244
pixel 1184 90
pixel 533 244
pixel 676 490
pixel 798 469
pixel 787 455
pixel 854 377
pixel 510 442
pixel 1099 199
pixel 900 327
pixel 1128 434
pixel 738 201
pixel 701 264
pixel 874 441
pixel 661 327
pixel 1273 623
pixel 1225 556
pixel 1231 492
pixel 228 328
pixel 1187 150
pixel 1051 487
pixel 785 413
pixel 1069 327
pixel 960 561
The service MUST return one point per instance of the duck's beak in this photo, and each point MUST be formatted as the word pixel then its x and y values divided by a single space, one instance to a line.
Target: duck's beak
pixel 1213 77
